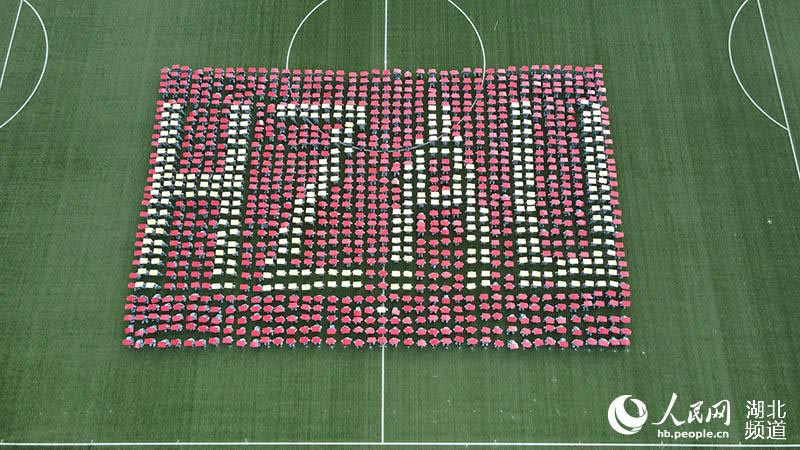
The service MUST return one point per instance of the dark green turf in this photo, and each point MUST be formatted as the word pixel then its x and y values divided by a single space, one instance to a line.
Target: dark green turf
pixel 715 286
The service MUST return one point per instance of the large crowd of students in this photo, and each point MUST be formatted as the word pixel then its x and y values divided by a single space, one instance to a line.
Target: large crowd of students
pixel 396 208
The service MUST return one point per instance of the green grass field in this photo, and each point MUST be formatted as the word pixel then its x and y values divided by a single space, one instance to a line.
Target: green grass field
pixel 709 190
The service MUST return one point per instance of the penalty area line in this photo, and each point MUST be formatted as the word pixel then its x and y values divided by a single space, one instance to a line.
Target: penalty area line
pixel 736 73
pixel 780 91
pixel 44 65
pixel 10 44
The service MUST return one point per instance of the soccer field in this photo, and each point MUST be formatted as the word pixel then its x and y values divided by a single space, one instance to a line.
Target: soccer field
pixel 705 118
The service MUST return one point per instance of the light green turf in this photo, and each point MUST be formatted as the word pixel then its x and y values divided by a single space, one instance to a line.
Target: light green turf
pixel 715 286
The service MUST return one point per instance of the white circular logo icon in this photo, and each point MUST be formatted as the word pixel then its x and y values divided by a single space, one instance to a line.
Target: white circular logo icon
pixel 621 421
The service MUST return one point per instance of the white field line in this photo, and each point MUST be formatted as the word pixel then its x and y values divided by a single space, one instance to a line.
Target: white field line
pixel 297 30
pixel 10 44
pixel 392 444
pixel 385 34
pixel 383 391
pixel 44 65
pixel 480 41
pixel 780 92
pixel 736 74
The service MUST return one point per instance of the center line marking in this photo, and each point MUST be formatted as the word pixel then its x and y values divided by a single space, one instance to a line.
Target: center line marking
pixel 383 391
pixel 385 33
